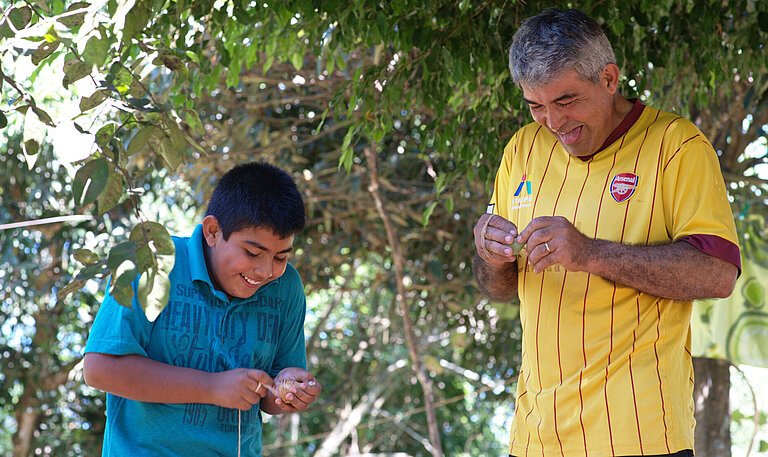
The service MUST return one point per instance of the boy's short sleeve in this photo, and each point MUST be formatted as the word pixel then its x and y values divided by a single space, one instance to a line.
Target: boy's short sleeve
pixel 119 330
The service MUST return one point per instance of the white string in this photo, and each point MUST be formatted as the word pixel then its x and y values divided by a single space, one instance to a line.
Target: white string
pixel 238 433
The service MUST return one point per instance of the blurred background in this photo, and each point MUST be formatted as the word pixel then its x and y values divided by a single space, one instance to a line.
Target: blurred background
pixel 392 117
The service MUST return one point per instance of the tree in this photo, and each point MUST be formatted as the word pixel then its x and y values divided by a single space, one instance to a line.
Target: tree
pixel 184 87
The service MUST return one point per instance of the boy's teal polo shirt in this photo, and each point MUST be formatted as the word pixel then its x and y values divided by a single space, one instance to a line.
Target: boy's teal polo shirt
pixel 199 328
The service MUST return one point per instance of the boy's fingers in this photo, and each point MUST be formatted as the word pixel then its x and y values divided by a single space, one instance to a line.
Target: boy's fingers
pixel 312 387
pixel 262 377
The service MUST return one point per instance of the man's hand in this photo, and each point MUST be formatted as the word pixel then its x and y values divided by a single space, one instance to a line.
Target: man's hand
pixel 495 263
pixel 494 236
pixel 553 240
pixel 240 388
pixel 673 270
pixel 301 395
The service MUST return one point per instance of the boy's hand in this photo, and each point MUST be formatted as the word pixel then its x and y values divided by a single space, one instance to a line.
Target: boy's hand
pixel 300 395
pixel 240 388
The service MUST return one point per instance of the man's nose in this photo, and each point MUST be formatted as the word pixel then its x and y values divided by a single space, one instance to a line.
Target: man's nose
pixel 555 119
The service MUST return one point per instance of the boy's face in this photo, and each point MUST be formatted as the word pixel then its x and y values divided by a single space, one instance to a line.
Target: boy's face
pixel 246 261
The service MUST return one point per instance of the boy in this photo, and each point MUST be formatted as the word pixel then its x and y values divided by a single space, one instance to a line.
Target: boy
pixel 185 384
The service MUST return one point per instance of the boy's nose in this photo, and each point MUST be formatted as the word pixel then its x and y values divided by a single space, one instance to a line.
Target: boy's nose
pixel 263 270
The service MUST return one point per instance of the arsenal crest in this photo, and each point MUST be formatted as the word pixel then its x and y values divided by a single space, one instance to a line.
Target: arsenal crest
pixel 623 186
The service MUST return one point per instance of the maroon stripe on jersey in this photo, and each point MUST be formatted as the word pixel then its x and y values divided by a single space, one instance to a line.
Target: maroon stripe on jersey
pixel 535 200
pixel 632 376
pixel 678 149
pixel 613 303
pixel 637 307
pixel 528 443
pixel 658 310
pixel 538 314
pixel 581 373
pixel 528 157
pixel 658 373
pixel 560 302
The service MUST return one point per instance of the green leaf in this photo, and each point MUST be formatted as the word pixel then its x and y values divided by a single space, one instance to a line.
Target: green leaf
pixel 427 213
pixel 3 120
pixel 44 50
pixel 177 136
pixel 141 139
pixel 122 264
pixel 763 447
pixel 124 296
pixel 111 195
pixel 31 148
pixel 90 181
pixel 96 99
pixel 154 291
pixel 75 72
pixel 193 120
pixel 163 146
pixel 136 88
pixel 157 235
pixel 43 116
pixel 43 5
pixel 297 60
pixel 96 51
pixel 20 17
pixel 86 256
pixel 75 20
pixel 440 184
pixel 105 134
pixel 136 20
pixel 156 257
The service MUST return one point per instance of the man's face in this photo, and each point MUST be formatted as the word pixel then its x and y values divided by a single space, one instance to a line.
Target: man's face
pixel 248 260
pixel 577 112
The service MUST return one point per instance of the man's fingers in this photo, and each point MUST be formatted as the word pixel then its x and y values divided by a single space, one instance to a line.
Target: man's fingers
pixel 534 226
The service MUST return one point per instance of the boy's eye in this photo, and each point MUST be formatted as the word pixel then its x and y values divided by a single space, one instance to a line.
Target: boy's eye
pixel 281 259
pixel 250 254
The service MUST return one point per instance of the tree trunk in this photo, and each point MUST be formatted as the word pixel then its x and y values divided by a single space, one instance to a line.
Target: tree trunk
pixel 711 393
pixel 398 261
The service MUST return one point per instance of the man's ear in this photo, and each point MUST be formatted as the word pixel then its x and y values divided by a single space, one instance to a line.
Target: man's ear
pixel 211 230
pixel 610 77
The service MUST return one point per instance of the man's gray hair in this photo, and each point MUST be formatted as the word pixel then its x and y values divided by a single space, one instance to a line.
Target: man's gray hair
pixel 555 41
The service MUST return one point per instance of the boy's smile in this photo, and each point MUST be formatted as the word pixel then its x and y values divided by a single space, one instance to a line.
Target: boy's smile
pixel 249 259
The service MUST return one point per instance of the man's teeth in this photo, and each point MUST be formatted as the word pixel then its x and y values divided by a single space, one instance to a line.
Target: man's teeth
pixel 250 281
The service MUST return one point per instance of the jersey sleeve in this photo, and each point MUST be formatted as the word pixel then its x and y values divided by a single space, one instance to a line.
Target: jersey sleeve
pixel 696 202
pixel 291 351
pixel 119 330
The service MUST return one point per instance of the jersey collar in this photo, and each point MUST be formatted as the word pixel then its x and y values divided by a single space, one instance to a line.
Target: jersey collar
pixel 623 127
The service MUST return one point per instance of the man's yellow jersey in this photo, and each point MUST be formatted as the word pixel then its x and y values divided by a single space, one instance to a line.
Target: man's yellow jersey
pixel 606 369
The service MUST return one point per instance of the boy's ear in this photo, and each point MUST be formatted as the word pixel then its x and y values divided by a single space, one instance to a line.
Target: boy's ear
pixel 211 230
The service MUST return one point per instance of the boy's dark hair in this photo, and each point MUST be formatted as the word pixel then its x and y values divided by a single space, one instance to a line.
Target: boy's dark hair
pixel 257 194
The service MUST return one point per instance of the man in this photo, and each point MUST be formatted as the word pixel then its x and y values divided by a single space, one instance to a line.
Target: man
pixel 625 220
